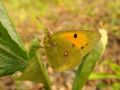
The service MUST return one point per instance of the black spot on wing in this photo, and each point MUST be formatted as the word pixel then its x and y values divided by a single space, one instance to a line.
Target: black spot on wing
pixel 86 44
pixel 75 35
pixel 73 45
pixel 82 47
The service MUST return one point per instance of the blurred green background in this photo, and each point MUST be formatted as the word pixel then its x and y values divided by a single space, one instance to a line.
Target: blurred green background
pixel 75 14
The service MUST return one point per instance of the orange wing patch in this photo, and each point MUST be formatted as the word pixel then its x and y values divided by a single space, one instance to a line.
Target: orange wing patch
pixel 78 39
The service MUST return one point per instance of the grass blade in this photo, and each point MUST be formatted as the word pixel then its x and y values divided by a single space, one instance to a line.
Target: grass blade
pixel 89 62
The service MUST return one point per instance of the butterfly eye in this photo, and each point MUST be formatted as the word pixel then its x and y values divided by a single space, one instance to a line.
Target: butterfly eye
pixel 53 44
pixel 75 35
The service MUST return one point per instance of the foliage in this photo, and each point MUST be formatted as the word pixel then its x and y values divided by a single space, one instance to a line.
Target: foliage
pixel 108 14
pixel 89 62
pixel 13 56
pixel 12 52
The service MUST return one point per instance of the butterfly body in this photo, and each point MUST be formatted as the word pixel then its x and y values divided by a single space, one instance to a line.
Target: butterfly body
pixel 65 49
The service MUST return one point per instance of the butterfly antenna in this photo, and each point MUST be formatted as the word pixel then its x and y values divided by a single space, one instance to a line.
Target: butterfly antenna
pixel 46 31
pixel 41 22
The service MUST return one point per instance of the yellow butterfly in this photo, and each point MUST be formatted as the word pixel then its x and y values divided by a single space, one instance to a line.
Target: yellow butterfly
pixel 65 49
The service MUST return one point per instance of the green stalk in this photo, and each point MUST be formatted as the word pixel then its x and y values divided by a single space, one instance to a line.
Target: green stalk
pixel 43 70
pixel 86 67
pixel 89 61
pixel 36 71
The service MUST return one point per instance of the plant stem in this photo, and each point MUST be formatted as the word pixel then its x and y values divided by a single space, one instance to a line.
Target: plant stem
pixel 86 67
pixel 44 71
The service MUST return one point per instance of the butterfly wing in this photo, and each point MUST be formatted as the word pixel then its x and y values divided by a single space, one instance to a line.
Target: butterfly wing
pixel 61 54
pixel 65 49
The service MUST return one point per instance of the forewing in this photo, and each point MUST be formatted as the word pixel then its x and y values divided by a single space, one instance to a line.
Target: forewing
pixel 65 53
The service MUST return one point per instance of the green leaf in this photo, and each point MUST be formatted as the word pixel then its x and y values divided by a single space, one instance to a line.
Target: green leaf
pixel 116 86
pixel 36 71
pixel 6 23
pixel 35 44
pixel 105 86
pixel 95 76
pixel 114 67
pixel 12 53
pixel 89 62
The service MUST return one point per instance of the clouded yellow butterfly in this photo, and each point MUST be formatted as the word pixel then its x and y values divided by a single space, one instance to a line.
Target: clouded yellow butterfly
pixel 65 49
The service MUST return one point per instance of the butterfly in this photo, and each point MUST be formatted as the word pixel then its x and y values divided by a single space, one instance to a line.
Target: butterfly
pixel 65 49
